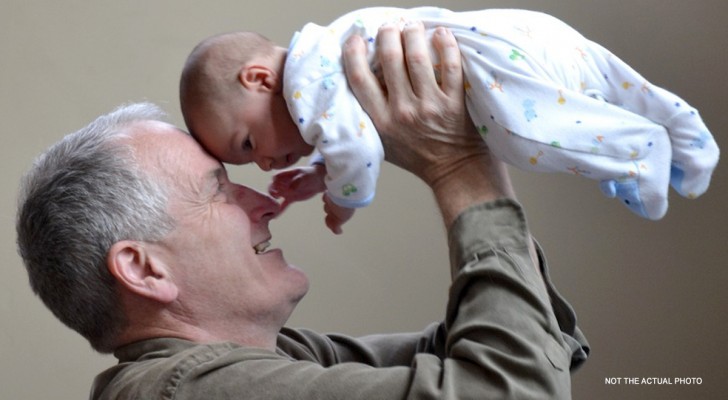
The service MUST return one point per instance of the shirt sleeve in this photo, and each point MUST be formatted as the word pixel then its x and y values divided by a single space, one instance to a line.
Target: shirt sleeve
pixel 384 350
pixel 500 337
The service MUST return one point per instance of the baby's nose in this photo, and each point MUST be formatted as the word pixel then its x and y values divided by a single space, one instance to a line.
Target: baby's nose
pixel 265 163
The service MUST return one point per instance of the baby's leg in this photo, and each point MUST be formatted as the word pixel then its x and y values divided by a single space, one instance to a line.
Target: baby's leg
pixel 695 152
pixel 639 180
pixel 537 125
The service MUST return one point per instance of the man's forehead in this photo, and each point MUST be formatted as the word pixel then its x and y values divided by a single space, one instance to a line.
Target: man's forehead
pixel 166 147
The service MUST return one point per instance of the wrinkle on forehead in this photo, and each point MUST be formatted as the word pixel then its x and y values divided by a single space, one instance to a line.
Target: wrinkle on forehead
pixel 174 159
pixel 195 197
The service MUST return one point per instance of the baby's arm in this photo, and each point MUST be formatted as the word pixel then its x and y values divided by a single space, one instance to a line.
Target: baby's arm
pixel 329 117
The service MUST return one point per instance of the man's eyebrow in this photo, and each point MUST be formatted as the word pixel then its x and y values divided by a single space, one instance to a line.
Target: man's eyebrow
pixel 218 172
pixel 212 178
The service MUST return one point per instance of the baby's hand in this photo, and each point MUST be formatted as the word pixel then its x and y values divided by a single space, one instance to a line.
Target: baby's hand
pixel 298 184
pixel 336 215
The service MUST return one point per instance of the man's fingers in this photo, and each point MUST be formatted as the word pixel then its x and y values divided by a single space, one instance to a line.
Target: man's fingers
pixel 391 58
pixel 363 83
pixel 451 70
pixel 419 64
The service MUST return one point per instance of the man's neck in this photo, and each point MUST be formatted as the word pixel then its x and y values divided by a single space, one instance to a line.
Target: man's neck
pixel 169 323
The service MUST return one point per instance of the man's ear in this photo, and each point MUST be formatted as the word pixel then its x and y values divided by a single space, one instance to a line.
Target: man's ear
pixel 140 272
pixel 258 77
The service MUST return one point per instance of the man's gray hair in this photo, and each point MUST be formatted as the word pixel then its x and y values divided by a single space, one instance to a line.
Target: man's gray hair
pixel 81 196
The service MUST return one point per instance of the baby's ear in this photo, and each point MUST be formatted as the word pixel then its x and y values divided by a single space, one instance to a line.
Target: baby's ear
pixel 257 77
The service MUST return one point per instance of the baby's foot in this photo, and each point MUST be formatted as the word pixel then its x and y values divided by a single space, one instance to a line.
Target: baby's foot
pixel 643 200
pixel 694 154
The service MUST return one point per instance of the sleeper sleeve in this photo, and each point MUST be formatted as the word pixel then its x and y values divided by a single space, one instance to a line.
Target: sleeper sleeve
pixel 330 119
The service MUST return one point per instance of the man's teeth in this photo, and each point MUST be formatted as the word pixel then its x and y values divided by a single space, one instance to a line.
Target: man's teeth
pixel 261 247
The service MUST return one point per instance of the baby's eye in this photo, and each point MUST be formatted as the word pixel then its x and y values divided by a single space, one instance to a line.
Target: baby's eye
pixel 247 145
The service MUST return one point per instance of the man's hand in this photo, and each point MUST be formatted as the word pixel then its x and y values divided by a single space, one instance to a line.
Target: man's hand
pixel 423 124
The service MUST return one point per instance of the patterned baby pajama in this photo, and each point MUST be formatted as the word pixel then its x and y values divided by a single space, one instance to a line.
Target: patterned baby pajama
pixel 543 97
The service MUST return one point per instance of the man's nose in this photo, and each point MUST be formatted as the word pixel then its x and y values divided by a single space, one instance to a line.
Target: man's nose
pixel 259 206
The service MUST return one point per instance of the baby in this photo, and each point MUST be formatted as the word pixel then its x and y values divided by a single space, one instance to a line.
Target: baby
pixel 543 97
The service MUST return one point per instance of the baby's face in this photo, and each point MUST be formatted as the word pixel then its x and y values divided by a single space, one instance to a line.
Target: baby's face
pixel 253 131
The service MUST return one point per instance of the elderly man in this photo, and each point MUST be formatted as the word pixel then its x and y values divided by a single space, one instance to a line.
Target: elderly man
pixel 134 237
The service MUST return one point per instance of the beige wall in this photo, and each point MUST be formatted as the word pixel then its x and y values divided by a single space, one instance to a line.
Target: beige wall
pixel 650 295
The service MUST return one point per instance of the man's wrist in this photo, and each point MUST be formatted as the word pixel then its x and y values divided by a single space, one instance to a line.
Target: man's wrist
pixel 470 182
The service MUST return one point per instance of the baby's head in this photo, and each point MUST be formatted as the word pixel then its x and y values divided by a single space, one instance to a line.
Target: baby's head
pixel 230 95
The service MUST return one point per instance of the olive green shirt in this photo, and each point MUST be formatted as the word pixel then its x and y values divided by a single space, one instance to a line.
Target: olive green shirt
pixel 505 335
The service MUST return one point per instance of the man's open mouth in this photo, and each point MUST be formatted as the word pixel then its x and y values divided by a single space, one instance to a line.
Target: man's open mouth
pixel 260 248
